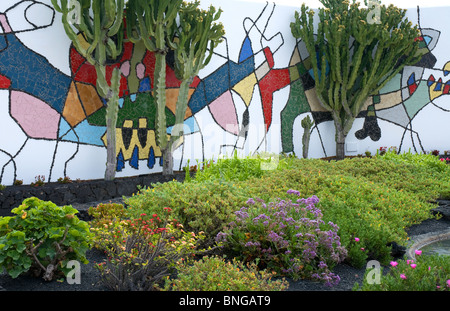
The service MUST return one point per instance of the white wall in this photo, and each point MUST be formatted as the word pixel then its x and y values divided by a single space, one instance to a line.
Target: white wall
pixel 421 123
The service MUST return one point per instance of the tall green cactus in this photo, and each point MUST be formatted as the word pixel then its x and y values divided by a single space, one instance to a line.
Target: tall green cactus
pixel 154 23
pixel 197 37
pixel 352 56
pixel 100 22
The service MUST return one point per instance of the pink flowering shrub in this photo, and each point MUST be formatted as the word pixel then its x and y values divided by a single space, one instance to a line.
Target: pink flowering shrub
pixel 424 273
pixel 287 237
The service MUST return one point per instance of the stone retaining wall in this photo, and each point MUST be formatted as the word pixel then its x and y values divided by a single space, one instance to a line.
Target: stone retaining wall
pixel 79 191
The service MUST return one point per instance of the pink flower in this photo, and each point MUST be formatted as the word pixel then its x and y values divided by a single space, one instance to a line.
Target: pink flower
pixel 394 263
pixel 357 239
pixel 403 276
pixel 413 265
pixel 448 282
pixel 418 252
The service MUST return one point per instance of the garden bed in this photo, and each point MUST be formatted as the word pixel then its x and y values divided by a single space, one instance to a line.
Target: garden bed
pixel 370 206
pixel 90 276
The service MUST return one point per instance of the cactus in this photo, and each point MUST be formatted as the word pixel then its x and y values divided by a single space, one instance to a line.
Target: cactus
pixel 307 124
pixel 197 37
pixel 98 37
pixel 352 56
pixel 153 22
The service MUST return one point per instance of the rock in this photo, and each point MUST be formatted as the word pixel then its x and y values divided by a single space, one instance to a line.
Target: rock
pixel 397 250
pixel 79 191
pixel 444 211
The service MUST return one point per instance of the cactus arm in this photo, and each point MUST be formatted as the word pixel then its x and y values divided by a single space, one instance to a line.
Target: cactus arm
pixel 118 21
pixel 180 112
pixel 86 27
pixel 307 124
pixel 109 11
pixel 97 29
pixel 58 7
pixel 145 35
pixel 160 85
pixel 195 33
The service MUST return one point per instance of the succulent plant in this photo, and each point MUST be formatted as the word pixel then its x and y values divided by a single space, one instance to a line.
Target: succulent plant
pixel 154 22
pixel 197 37
pixel 353 55
pixel 95 28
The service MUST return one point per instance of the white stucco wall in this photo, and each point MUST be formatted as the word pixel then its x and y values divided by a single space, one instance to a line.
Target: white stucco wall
pixel 419 122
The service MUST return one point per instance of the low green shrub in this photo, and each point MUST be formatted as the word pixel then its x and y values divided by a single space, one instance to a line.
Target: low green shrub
pixel 425 273
pixel 374 199
pixel 357 196
pixel 287 237
pixel 42 238
pixel 237 168
pixel 199 206
pixel 428 161
pixel 108 218
pixel 216 274
pixel 430 174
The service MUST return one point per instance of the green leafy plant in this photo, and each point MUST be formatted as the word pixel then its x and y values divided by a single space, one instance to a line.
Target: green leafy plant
pixel 231 169
pixel 39 181
pixel 144 251
pixel 198 206
pixel 425 161
pixel 42 238
pixel 107 217
pixel 369 198
pixel 374 199
pixel 214 273
pixel 64 180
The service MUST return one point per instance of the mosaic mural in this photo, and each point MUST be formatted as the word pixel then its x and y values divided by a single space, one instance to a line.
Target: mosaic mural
pixel 250 98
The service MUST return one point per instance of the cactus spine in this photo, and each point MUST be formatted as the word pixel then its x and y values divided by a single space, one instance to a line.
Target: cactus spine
pixel 98 37
pixel 356 55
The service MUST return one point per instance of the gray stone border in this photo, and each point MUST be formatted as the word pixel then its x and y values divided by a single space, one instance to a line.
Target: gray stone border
pixel 422 240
